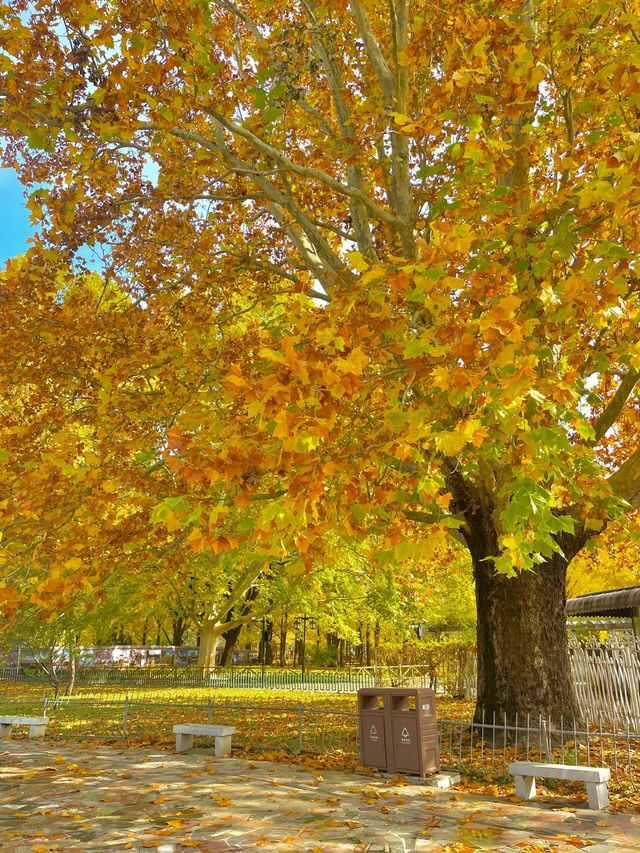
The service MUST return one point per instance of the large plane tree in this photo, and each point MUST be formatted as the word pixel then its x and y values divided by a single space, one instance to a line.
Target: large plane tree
pixel 427 212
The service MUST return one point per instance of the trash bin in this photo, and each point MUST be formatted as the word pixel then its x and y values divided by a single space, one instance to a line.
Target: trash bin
pixel 371 716
pixel 414 734
pixel 398 730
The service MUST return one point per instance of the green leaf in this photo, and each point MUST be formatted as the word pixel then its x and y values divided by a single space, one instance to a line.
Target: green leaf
pixel 475 124
pixel 259 97
pixel 272 114
pixel 415 348
pixel 359 512
pixel 38 138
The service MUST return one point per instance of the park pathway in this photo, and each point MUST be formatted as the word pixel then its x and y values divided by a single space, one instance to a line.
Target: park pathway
pixel 68 797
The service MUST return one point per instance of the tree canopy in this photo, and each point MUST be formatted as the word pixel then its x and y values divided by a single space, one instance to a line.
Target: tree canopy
pixel 369 269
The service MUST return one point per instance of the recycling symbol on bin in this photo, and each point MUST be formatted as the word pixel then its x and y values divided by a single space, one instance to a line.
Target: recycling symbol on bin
pixel 373 733
pixel 405 737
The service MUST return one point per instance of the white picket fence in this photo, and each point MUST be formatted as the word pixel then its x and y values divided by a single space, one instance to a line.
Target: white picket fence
pixel 607 678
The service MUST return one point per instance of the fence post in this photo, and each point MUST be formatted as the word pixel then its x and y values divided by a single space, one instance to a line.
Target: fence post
pixel 546 732
pixel 209 712
pixel 125 714
pixel 300 722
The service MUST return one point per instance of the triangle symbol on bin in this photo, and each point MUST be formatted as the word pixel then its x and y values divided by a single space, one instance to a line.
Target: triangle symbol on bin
pixel 404 732
pixel 373 730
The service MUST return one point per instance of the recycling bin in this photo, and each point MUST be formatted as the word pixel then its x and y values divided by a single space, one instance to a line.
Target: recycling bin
pixel 398 730
pixel 413 731
pixel 371 717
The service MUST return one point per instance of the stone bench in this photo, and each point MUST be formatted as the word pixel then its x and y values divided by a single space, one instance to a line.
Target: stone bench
pixel 37 725
pixel 185 732
pixel 525 772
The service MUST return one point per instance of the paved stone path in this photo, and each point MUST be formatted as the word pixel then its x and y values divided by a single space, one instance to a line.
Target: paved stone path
pixel 70 798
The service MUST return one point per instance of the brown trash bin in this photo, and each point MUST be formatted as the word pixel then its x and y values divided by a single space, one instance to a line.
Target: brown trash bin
pixel 407 721
pixel 371 716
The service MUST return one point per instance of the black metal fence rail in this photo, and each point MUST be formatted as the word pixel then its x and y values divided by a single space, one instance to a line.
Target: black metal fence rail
pixel 324 680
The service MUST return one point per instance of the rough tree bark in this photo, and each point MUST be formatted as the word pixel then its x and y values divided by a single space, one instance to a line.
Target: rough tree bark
pixel 283 640
pixel 178 627
pixel 266 644
pixel 230 642
pixel 72 674
pixel 210 633
pixel 523 658
pixel 232 634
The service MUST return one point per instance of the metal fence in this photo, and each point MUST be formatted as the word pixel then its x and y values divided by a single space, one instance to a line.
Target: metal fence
pixel 294 728
pixel 484 747
pixel 488 746
pixel 607 677
pixel 315 680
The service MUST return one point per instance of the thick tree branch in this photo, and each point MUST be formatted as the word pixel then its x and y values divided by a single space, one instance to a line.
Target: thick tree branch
pixel 373 50
pixel 357 208
pixel 625 482
pixel 307 237
pixel 304 171
pixel 400 161
pixel 611 413
pixel 233 9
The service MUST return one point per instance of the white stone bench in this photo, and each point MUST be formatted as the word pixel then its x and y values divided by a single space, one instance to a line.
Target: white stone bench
pixel 525 773
pixel 222 736
pixel 37 725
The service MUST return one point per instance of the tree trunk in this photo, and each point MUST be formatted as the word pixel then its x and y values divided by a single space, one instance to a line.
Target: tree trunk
pixel 266 644
pixel 367 646
pixel 209 639
pixel 360 646
pixel 283 640
pixel 231 635
pixel 523 658
pixel 72 674
pixel 178 626
pixel 230 642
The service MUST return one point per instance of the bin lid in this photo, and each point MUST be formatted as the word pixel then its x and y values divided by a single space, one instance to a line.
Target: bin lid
pixel 396 691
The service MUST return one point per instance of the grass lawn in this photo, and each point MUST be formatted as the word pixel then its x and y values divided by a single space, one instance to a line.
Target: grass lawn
pixel 33 694
pixel 267 720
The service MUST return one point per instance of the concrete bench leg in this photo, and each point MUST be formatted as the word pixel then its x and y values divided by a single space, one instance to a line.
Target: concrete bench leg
pixel 5 729
pixel 525 787
pixel 183 742
pixel 598 794
pixel 36 731
pixel 222 746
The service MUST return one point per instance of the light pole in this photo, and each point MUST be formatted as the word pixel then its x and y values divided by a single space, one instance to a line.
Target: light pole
pixel 301 621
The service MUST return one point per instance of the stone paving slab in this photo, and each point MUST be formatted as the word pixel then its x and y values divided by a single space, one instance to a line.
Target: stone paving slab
pixel 72 798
